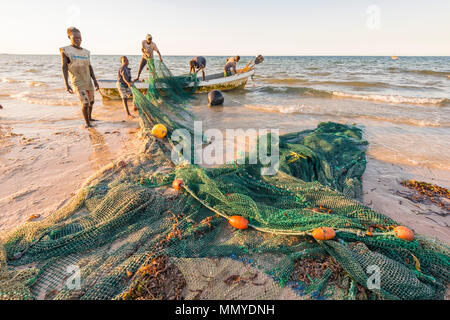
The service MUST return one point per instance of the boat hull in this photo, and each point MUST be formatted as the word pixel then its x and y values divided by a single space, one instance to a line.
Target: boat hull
pixel 109 91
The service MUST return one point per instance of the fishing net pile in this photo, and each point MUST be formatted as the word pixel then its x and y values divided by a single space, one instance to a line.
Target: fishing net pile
pixel 127 234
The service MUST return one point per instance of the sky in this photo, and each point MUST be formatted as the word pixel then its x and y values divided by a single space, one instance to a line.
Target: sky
pixel 244 27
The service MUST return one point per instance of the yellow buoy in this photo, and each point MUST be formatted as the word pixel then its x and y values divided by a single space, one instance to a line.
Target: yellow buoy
pixel 159 131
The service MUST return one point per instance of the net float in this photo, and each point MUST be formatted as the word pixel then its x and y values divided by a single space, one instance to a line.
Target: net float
pixel 177 184
pixel 324 234
pixel 159 131
pixel 404 233
pixel 238 222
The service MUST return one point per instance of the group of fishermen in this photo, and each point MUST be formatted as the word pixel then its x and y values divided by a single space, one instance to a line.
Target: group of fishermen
pixel 77 67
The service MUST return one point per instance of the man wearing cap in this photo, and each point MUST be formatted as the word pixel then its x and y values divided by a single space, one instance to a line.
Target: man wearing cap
pixel 198 63
pixel 76 64
pixel 148 47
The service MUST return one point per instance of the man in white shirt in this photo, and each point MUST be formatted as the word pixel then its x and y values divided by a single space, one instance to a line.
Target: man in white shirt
pixel 76 65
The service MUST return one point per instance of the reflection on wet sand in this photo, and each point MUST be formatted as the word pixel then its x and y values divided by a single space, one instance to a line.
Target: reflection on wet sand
pixel 101 154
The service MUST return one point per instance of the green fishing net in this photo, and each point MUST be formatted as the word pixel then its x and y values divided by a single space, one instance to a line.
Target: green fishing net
pixel 127 226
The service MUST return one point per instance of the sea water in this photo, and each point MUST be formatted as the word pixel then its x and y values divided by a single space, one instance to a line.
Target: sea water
pixel 402 105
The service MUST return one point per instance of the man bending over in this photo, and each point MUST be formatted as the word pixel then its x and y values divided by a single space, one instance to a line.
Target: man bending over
pixel 230 66
pixel 197 64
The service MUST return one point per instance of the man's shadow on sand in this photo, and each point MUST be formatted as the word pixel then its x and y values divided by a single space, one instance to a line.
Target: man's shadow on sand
pixel 101 154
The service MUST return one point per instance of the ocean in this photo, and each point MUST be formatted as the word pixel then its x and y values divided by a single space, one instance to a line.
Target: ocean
pixel 402 105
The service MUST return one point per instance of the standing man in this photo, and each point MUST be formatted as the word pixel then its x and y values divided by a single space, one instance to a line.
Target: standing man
pixel 124 84
pixel 148 47
pixel 76 64
pixel 198 63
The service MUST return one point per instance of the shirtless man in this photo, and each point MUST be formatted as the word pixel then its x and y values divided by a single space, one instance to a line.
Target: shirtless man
pixel 230 66
pixel 148 46
pixel 76 64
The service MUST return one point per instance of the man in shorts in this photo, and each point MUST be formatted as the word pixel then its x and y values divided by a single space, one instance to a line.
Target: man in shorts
pixel 148 47
pixel 76 64
pixel 124 84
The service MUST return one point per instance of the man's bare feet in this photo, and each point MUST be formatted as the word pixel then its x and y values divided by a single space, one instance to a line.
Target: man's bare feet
pixel 93 120
pixel 87 126
pixel 137 79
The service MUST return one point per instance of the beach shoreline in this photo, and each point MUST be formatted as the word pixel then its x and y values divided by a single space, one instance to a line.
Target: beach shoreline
pixel 41 173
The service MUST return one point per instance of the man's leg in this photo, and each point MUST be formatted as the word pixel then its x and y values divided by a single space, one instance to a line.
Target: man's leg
pixel 125 104
pixel 85 111
pixel 91 106
pixel 86 107
pixel 141 67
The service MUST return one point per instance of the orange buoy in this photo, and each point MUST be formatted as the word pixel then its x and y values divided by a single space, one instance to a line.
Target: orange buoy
pixel 324 234
pixel 33 217
pixel 404 233
pixel 159 131
pixel 177 184
pixel 238 222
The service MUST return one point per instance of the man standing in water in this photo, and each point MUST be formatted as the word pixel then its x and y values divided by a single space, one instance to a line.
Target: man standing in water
pixel 148 46
pixel 76 64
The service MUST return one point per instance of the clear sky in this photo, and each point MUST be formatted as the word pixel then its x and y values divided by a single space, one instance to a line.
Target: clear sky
pixel 228 27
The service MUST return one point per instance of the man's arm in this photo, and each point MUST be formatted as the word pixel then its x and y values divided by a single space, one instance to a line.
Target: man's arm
pixel 234 68
pixel 65 70
pixel 155 48
pixel 159 54
pixel 91 70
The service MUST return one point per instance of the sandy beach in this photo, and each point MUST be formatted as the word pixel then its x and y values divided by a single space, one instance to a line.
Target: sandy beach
pixel 43 165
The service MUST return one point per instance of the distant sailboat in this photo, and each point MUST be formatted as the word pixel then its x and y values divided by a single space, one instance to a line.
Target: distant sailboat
pixel 395 58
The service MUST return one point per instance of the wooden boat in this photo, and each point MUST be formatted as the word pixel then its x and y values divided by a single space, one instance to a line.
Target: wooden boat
pixel 216 81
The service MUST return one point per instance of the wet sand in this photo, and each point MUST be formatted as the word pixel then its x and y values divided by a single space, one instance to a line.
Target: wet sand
pixel 42 165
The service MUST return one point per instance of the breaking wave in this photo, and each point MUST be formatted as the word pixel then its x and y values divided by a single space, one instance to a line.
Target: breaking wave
pixel 39 99
pixel 394 99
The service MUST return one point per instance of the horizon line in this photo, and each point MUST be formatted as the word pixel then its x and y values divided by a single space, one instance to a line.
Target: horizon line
pixel 214 55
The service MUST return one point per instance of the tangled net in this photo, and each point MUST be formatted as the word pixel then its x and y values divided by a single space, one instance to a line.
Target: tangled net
pixel 127 235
